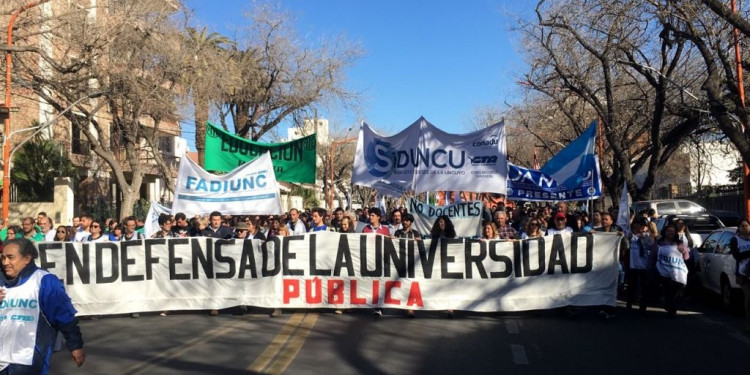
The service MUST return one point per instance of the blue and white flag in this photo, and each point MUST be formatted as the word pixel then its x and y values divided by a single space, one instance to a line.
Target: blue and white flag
pixel 576 161
pixel 525 184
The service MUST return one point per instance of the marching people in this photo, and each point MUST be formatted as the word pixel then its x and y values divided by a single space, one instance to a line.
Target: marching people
pixel 296 225
pixel 533 229
pixel 338 215
pixel 29 230
pixel 253 231
pixel 129 232
pixel 47 228
pixel 97 234
pixel 53 313
pixel 318 214
pixel 83 229
pixel 14 231
pixel 181 227
pixel 739 247
pixel 560 225
pixel 63 233
pixel 347 225
pixel 115 232
pixel 504 230
pixel 215 228
pixel 670 265
pixel 489 231
pixel 406 230
pixel 165 227
pixel 396 221
pixel 442 228
pixel 640 264
pixel 376 227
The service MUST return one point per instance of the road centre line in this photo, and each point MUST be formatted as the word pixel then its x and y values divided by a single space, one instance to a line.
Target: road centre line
pixel 180 350
pixel 512 326
pixel 276 344
pixel 286 357
pixel 519 354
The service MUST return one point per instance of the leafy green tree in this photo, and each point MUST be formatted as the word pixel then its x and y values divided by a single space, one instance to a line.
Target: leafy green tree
pixel 35 167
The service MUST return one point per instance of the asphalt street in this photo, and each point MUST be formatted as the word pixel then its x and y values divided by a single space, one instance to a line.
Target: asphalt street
pixel 703 339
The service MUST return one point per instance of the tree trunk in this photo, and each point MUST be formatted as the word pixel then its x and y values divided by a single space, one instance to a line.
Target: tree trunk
pixel 201 117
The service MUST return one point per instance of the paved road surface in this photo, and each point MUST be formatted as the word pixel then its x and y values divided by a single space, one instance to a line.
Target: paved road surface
pixel 700 340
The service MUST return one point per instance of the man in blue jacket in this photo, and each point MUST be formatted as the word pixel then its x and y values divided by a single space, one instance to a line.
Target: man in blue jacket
pixel 34 308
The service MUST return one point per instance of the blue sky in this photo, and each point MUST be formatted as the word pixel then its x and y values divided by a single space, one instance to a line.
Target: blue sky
pixel 438 59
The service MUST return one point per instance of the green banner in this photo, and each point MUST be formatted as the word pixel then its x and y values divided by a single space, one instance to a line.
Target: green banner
pixel 293 161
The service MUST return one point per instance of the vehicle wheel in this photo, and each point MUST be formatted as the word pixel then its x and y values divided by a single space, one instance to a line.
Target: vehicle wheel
pixel 727 299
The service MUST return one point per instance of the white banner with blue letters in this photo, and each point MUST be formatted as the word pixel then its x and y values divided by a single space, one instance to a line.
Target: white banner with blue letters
pixel 424 158
pixel 250 189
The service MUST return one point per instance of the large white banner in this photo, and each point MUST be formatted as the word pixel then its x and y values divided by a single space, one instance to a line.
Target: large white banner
pixel 250 189
pixel 327 270
pixel 465 216
pixel 424 158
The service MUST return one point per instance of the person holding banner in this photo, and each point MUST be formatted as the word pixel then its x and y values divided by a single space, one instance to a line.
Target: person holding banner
pixel 318 214
pixel 671 255
pixel 406 230
pixel 443 228
pixel 489 231
pixel 560 225
pixel 253 233
pixel 533 229
pixel 97 234
pixel 347 225
pixel 504 230
pixel 165 224
pixel 29 342
pixel 375 225
pixel 215 229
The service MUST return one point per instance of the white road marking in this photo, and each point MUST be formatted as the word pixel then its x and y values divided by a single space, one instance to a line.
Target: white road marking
pixel 519 354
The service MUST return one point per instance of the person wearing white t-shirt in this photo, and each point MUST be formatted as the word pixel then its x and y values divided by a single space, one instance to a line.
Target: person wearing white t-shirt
pixel 84 232
pixel 295 225
pixel 561 225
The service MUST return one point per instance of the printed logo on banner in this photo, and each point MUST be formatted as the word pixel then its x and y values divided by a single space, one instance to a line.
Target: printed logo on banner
pixel 492 141
pixel 378 157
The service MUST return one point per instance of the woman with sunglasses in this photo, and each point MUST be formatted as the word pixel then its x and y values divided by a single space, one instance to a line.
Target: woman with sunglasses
pixel 97 234
pixel 533 229
pixel 63 233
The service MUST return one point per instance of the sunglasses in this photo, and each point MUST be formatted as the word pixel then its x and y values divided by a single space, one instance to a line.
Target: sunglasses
pixel 61 231
pixel 534 224
pixel 95 226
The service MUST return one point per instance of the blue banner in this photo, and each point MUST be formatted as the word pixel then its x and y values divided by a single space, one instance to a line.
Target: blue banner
pixel 529 185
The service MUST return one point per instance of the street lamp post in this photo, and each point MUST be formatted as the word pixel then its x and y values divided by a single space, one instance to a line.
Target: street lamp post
pixel 7 107
pixel 333 186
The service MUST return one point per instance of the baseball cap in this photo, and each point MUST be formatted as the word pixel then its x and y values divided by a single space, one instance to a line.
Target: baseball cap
pixel 560 215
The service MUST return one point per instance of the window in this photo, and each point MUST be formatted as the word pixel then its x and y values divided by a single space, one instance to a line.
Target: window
pixel 79 145
pixel 689 207
pixel 723 246
pixel 709 245
pixel 666 208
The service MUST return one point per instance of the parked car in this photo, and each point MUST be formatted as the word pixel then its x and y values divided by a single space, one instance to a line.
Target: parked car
pixel 717 266
pixel 699 225
pixel 685 207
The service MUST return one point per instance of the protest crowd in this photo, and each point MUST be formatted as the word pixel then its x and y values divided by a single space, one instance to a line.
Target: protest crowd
pixel 645 282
